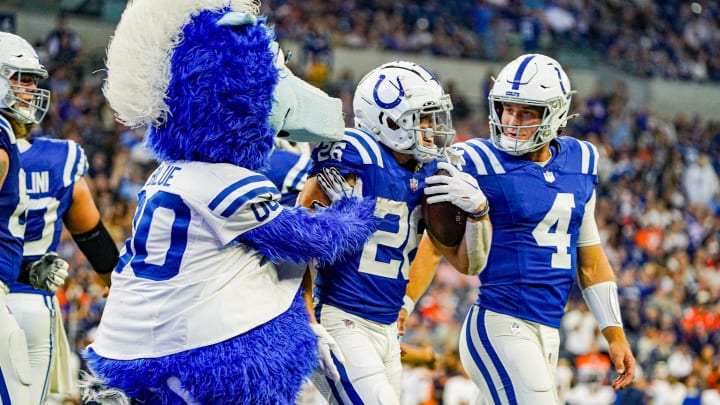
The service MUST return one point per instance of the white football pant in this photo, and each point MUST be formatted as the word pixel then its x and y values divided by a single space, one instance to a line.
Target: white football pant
pixel 372 372
pixel 14 363
pixel 34 314
pixel 511 360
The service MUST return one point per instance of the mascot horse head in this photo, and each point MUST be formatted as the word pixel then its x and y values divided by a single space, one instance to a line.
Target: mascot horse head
pixel 209 81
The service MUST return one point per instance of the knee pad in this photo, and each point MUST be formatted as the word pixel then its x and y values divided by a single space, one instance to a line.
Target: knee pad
pixel 18 356
pixel 529 368
pixel 386 395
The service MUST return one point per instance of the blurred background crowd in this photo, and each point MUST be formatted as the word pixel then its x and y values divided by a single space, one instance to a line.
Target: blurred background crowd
pixel 658 206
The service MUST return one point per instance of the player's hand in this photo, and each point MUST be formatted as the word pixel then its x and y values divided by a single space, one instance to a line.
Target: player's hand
pixel 402 318
pixel 49 272
pixel 336 187
pixel 327 347
pixel 455 157
pixel 624 362
pixel 458 188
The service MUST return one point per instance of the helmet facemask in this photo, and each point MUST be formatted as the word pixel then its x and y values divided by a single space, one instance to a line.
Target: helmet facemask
pixel 26 103
pixel 432 138
pixel 543 133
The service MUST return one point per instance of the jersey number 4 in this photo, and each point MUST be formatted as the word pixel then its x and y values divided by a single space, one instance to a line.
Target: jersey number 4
pixel 553 230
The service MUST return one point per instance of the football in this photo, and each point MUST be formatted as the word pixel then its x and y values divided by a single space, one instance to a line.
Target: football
pixel 444 221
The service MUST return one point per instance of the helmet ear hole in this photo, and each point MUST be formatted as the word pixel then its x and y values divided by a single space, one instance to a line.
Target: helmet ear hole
pixel 392 124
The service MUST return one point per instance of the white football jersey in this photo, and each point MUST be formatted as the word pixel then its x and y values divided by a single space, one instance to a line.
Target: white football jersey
pixel 182 283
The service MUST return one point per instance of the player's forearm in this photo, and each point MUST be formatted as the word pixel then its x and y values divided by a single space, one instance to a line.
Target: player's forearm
pixel 593 266
pixel 422 269
pixel 307 286
pixel 4 164
pixel 614 334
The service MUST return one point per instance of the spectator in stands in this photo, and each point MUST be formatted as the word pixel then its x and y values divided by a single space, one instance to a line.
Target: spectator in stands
pixel 62 43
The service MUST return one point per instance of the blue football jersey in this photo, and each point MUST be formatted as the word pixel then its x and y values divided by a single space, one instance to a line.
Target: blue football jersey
pixel 536 213
pixel 12 209
pixel 372 283
pixel 288 170
pixel 51 169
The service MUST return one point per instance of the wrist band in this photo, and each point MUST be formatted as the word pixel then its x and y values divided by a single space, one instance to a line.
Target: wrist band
pixel 482 212
pixel 408 304
pixel 602 299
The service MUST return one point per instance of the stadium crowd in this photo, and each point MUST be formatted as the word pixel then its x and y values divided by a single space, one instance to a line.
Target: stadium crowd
pixel 658 208
pixel 671 39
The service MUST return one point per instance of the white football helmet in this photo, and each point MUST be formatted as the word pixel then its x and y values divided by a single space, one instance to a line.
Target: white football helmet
pixel 18 60
pixel 390 101
pixel 534 80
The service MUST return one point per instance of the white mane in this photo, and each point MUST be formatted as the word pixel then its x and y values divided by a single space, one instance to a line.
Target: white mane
pixel 138 56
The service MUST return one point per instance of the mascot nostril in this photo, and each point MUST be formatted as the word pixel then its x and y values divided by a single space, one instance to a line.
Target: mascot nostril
pixel 205 305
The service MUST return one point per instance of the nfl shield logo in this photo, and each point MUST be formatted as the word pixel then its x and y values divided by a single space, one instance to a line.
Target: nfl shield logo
pixel 413 184
pixel 549 177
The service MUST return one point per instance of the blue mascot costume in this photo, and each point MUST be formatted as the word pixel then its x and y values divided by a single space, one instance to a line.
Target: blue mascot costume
pixel 205 304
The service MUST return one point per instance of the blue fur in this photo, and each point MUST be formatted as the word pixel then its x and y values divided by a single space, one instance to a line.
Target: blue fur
pixel 220 95
pixel 326 235
pixel 276 357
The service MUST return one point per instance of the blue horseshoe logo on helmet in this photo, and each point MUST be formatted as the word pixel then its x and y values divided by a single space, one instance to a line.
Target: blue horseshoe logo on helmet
pixel 393 103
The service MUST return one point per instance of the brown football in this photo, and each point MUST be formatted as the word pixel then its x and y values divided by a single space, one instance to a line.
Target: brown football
pixel 444 221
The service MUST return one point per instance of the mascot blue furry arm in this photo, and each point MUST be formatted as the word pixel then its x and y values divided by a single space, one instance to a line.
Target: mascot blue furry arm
pixel 205 305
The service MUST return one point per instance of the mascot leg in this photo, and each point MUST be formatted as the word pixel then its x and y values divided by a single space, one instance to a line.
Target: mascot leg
pixel 266 365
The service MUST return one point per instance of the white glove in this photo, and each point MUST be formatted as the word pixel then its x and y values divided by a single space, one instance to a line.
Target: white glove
pixel 327 346
pixel 458 188
pixel 49 272
pixel 336 187
pixel 455 157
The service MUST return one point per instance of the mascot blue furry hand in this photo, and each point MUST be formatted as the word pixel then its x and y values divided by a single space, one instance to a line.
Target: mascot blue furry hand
pixel 205 305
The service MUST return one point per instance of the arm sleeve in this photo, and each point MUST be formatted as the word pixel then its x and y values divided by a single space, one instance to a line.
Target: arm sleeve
pixel 99 248
pixel 589 234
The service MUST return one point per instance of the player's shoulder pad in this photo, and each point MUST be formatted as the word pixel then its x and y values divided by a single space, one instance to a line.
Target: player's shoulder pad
pixel 582 156
pixel 481 157
pixel 7 135
pixel 250 188
pixel 355 149
pixel 67 153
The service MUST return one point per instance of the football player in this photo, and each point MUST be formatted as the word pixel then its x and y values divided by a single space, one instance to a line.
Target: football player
pixel 541 194
pixel 403 125
pixel 56 194
pixel 20 101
